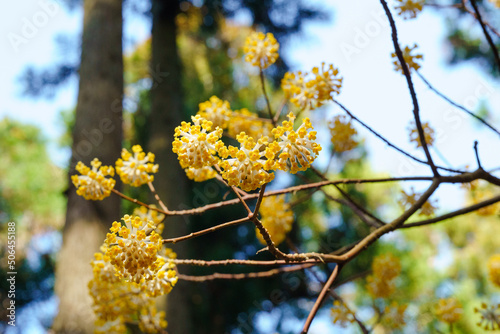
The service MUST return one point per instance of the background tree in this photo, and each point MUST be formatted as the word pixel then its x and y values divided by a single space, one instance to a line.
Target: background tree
pixel 97 133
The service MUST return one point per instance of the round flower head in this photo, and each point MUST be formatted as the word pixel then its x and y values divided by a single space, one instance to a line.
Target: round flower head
pixel 409 9
pixel 428 134
pixel 216 111
pixel 133 248
pixel 380 288
pixel 245 121
pixel 164 275
pixel 341 315
pixel 277 218
pixel 411 60
pixel 195 144
pixel 151 215
pixel 261 50
pixel 295 150
pixel 246 169
pixel 110 294
pixel 313 93
pixel 93 184
pixel 412 197
pixel 449 310
pixel 494 269
pixel 134 169
pixel 394 316
pixel 385 268
pixel 342 133
pixel 200 174
pixel 490 317
pixel 152 321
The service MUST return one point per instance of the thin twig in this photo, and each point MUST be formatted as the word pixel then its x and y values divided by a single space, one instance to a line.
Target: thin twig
pixel 456 104
pixel 456 213
pixel 387 141
pixel 477 155
pixel 320 299
pixel 205 231
pixel 406 72
pixel 153 191
pixel 263 83
pixel 486 34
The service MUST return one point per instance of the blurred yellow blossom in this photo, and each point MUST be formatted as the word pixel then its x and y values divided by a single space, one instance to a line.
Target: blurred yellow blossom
pixel 277 218
pixel 409 9
pixel 449 310
pixel 342 134
pixel 261 49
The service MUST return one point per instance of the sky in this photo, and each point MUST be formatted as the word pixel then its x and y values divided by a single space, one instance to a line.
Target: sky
pixel 357 40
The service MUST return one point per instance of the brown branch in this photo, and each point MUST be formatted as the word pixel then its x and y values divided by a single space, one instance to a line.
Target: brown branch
pixel 260 274
pixel 263 83
pixel 153 191
pixel 133 200
pixel 205 231
pixel 406 72
pixel 320 299
pixel 375 235
pixel 456 213
pixel 486 34
pixel 376 221
pixel 207 207
pixel 203 263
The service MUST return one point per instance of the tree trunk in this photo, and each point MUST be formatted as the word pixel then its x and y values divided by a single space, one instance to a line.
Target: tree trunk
pixel 166 114
pixel 97 133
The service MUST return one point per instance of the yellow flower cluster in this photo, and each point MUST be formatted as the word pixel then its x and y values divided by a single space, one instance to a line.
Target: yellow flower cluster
pixel 261 49
pixel 246 168
pixel 133 247
pixel 117 302
pixel 195 144
pixel 277 218
pixel 92 184
pixel 245 121
pixel 294 150
pixel 496 3
pixel 494 269
pixel 342 133
pixel 341 315
pixel 490 317
pixel 409 9
pixel 428 134
pixel 134 169
pixel 151 215
pixel 386 268
pixel 481 192
pixel 216 111
pixel 200 174
pixel 410 198
pixel 309 94
pixel 449 310
pixel 394 316
pixel 410 59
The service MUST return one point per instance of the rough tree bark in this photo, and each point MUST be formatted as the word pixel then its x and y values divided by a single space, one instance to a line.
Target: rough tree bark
pixel 166 114
pixel 97 133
